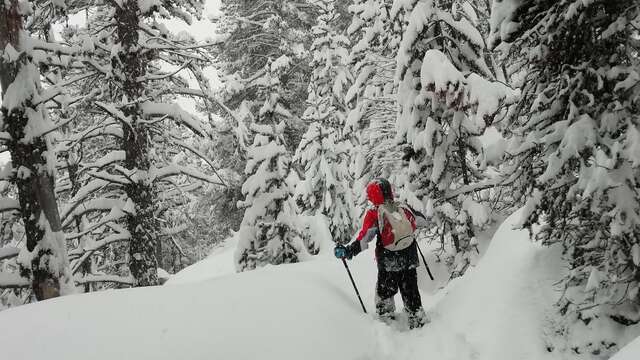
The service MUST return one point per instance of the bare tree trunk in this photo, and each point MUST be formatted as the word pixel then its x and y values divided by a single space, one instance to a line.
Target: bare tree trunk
pixel 142 225
pixel 35 184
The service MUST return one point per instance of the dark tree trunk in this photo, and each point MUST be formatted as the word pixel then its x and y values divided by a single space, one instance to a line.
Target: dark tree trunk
pixel 142 225
pixel 462 151
pixel 85 269
pixel 36 191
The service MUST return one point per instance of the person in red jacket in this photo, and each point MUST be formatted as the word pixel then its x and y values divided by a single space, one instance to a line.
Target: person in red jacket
pixel 391 226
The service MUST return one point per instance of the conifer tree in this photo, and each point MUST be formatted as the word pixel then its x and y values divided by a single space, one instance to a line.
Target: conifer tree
pixel 370 123
pixel 322 153
pixel 27 132
pixel 137 157
pixel 325 189
pixel 260 31
pixel 575 137
pixel 269 230
pixel 447 97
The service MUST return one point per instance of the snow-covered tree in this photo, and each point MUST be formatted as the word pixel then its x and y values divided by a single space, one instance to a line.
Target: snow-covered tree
pixel 322 154
pixel 447 96
pixel 375 37
pixel 269 231
pixel 260 31
pixel 27 132
pixel 139 156
pixel 330 77
pixel 576 136
pixel 325 189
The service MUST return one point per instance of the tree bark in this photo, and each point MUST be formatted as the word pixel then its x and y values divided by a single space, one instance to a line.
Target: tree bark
pixel 35 184
pixel 142 225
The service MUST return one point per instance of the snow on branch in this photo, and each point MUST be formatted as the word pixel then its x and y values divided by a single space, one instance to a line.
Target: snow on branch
pixel 84 192
pixel 464 91
pixel 210 98
pixel 174 111
pixel 201 156
pixel 163 75
pixel 115 214
pixel 81 208
pixel 114 112
pixel 110 158
pixel 175 169
pixel 109 129
pixel 8 204
pixel 87 279
pixel 13 281
pixel 110 177
pixel 32 43
pixel 8 252
pixel 79 256
pixel 467 189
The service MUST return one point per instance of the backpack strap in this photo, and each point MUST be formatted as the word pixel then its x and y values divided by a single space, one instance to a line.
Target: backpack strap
pixel 381 211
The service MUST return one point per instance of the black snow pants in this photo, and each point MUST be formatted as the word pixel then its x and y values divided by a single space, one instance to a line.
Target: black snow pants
pixel 389 282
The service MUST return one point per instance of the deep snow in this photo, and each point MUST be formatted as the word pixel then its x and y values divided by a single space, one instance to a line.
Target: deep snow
pixel 497 311
pixel 630 352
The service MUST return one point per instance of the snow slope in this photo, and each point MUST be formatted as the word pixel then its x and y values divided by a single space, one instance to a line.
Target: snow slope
pixel 630 352
pixel 219 263
pixel 497 311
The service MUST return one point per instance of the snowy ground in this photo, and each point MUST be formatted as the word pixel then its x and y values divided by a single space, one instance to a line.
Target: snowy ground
pixel 497 311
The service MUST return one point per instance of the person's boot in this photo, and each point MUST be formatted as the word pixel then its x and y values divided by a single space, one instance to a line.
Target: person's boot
pixel 386 308
pixel 417 319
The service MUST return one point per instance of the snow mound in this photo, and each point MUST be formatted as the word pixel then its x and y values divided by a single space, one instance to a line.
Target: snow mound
pixel 219 263
pixel 497 311
pixel 279 313
pixel 629 352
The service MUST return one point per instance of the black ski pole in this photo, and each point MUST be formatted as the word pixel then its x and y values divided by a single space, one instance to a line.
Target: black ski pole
pixel 425 262
pixel 354 284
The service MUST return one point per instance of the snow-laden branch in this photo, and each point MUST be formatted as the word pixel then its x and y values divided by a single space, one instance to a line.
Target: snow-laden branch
pixel 467 189
pixel 8 252
pixel 174 111
pixel 79 256
pixel 13 281
pixel 201 94
pixel 203 157
pixel 85 191
pixel 115 214
pixel 175 169
pixel 81 208
pixel 163 75
pixel 32 43
pixel 114 112
pixel 108 129
pixel 110 177
pixel 110 158
pixel 87 279
pixel 8 204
